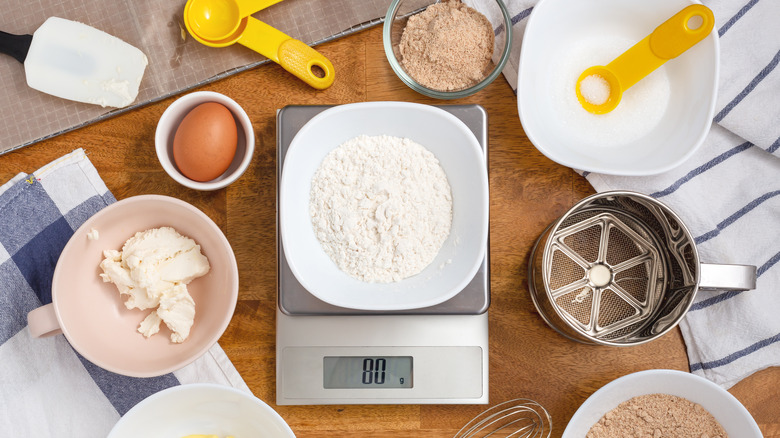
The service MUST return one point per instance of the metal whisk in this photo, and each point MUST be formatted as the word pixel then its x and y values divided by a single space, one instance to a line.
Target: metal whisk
pixel 518 418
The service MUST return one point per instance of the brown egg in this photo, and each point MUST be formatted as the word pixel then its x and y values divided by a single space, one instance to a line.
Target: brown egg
pixel 205 142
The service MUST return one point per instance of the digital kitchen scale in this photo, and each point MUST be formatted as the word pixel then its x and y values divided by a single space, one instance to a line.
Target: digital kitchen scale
pixel 332 355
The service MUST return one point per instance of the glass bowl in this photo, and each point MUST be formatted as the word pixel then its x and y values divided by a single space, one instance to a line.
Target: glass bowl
pixel 395 21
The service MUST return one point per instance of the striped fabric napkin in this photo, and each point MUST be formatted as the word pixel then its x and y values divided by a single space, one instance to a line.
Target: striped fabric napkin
pixel 46 388
pixel 728 193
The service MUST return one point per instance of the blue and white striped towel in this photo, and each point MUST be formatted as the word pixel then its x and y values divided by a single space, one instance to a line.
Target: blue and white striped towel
pixel 46 388
pixel 728 193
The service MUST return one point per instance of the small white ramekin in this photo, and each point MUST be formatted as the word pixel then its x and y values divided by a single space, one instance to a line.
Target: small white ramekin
pixel 172 117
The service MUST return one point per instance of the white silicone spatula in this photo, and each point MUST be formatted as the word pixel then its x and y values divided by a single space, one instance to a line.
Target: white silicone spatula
pixel 74 61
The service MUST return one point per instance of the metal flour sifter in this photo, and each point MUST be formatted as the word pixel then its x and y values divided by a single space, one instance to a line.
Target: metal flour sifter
pixel 620 268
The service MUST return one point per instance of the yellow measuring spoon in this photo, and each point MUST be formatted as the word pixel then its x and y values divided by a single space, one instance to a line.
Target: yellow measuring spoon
pixel 215 20
pixel 600 88
pixel 220 23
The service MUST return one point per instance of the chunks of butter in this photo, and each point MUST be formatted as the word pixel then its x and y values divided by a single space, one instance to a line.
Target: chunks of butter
pixel 152 272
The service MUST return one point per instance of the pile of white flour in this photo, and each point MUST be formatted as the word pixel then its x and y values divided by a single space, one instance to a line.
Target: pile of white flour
pixel 381 207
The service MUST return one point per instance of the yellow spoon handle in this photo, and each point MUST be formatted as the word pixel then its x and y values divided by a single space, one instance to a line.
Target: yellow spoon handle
pixel 293 55
pixel 674 36
pixel 669 40
pixel 298 58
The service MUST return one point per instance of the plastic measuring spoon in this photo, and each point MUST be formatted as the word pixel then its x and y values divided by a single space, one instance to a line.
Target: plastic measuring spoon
pixel 218 19
pixel 600 88
pixel 220 23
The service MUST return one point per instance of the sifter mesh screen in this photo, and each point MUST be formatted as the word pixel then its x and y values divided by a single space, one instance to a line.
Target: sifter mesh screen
pixel 634 280
pixel 585 243
pixel 567 271
pixel 621 248
pixel 614 309
pixel 623 332
pixel 577 303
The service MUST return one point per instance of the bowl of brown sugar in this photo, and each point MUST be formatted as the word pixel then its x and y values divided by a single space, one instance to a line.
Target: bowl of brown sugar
pixel 449 49
pixel 662 403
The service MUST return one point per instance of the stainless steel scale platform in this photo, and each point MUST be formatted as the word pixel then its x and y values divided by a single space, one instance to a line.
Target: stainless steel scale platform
pixel 332 355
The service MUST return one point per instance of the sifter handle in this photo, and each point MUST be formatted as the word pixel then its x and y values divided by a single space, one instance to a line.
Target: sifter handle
pixel 727 277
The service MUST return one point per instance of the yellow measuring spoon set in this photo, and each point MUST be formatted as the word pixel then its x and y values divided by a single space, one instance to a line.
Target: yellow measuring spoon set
pixel 220 23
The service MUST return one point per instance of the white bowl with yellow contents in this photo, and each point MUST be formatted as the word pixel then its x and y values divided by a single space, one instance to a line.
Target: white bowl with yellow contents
pixel 201 409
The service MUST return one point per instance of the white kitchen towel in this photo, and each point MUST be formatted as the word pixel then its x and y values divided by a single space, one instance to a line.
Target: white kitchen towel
pixel 728 193
pixel 46 388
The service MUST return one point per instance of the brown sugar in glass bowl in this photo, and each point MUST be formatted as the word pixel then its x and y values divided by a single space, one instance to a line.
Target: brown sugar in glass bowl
pixel 447 50
pixel 447 47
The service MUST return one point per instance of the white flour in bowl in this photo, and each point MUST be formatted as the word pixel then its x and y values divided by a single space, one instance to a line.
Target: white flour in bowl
pixel 381 207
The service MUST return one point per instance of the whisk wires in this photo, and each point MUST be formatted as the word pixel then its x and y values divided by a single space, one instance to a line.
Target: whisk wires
pixel 518 418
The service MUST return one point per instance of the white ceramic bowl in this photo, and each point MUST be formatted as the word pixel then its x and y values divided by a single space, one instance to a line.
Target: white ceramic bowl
pixel 726 409
pixel 172 117
pixel 462 159
pixel 202 408
pixel 556 36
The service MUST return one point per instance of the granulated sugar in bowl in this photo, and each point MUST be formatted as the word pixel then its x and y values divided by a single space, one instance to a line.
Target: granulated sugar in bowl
pixel 660 121
pixel 461 158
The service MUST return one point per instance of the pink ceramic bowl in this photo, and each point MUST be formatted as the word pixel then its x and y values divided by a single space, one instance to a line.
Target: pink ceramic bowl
pixel 93 317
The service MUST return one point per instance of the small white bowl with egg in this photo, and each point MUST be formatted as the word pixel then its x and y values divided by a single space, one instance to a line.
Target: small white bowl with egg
pixel 461 158
pixel 201 409
pixel 724 407
pixel 660 122
pixel 214 139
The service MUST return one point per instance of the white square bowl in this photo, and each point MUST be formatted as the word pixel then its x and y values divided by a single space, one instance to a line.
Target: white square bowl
pixel 463 161
pixel 556 28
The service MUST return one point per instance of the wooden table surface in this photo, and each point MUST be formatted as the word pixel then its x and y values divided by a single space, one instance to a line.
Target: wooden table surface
pixel 527 192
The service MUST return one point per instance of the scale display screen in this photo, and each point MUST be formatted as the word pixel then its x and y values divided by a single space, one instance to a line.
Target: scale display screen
pixel 348 372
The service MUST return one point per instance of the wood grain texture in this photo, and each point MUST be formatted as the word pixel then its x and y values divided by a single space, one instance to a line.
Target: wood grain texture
pixel 528 192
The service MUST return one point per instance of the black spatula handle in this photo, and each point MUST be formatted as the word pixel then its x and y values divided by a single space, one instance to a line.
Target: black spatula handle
pixel 15 45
